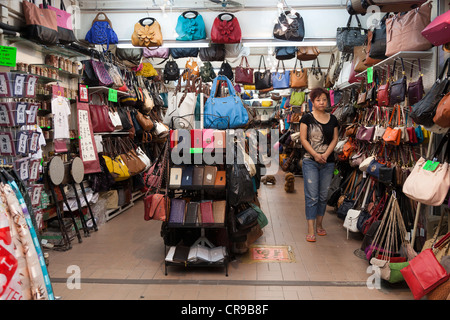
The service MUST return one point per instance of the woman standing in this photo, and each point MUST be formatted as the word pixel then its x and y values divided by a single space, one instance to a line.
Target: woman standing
pixel 319 136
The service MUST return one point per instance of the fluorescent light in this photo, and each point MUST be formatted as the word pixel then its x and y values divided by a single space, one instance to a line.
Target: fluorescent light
pixel 282 43
pixel 170 44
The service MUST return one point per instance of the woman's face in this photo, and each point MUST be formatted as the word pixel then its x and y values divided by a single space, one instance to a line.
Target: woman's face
pixel 321 102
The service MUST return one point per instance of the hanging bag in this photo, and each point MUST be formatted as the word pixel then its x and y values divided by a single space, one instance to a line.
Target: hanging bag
pixel 307 53
pixel 100 119
pixel 316 78
pixel 415 88
pixel 280 80
pixel 285 53
pixel 437 31
pixel 289 27
pixel 244 74
pixel 190 28
pixel 298 78
pixel 147 35
pixel 101 31
pixel 63 21
pixel 349 37
pixel 263 78
pixel 226 31
pixel 397 90
pixel 41 24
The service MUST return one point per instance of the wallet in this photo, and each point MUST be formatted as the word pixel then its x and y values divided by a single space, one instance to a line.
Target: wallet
pixel 209 175
pixel 175 178
pixel 177 208
pixel 196 138
pixel 197 179
pixel 191 213
pixel 186 180
pixel 206 212
pixel 219 139
pixel 220 180
pixel 208 139
pixel 219 211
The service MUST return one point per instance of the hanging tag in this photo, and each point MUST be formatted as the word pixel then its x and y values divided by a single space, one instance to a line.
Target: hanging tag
pixel 370 75
pixel 8 56
pixel 430 165
pixel 112 95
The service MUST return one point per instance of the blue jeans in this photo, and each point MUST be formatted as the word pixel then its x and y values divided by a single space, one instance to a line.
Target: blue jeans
pixel 316 179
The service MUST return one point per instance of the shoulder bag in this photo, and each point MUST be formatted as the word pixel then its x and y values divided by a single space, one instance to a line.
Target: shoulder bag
pixel 289 27
pixel 63 21
pixel 156 52
pixel 307 53
pixel 215 52
pixel 316 78
pixel 415 88
pixel 298 78
pixel 190 28
pixel 244 74
pixel 263 78
pixel 171 71
pixel 280 80
pixel 41 24
pixel 226 31
pixel 437 31
pixel 348 37
pixel 397 90
pixel 101 121
pixel 285 53
pixel 207 72
pixel 147 35
pixel 442 116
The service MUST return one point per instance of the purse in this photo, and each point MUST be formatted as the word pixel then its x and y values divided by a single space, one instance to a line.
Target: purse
pixel 226 31
pixel 190 28
pixel 393 134
pixel 101 31
pixel 127 153
pixel 359 58
pixel 369 61
pixel 215 52
pixel 437 31
pixel 243 74
pixel 171 71
pixel 397 90
pixel 178 53
pixel 316 78
pixel 63 22
pixel 297 98
pixel 285 53
pixel 298 78
pixel 207 72
pixel 147 35
pixel 442 116
pixel 415 88
pixel 280 80
pixel 101 122
pixel 307 53
pixel 349 37
pixel 263 79
pixel 104 79
pixel 424 110
pixel 289 26
pixel 224 112
pixel 383 94
pixel 403 32
pixel 378 43
pixel 156 52
pixel 41 24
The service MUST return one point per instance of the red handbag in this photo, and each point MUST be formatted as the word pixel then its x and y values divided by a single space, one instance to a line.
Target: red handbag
pixel 424 273
pixel 155 207
pixel 243 74
pixel 437 31
pixel 101 122
pixel 226 31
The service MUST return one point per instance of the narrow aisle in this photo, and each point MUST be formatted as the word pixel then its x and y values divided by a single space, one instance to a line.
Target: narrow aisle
pixel 125 260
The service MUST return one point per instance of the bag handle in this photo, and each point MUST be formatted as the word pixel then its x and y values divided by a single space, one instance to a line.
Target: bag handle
pixel 225 14
pixel 147 18
pixel 190 11
pixel 264 61
pixel 97 18
pixel 350 20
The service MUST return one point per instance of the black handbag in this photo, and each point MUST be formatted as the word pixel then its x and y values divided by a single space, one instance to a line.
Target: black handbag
pixel 131 55
pixel 424 110
pixel 171 71
pixel 126 125
pixel 177 53
pixel 207 72
pixel 289 27
pixel 397 90
pixel 378 44
pixel 386 175
pixel 285 53
pixel 240 185
pixel 226 70
pixel 216 52
pixel 263 79
pixel 349 37
pixel 246 216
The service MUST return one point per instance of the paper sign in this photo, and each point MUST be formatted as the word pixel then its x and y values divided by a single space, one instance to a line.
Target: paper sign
pixel 8 56
pixel 370 75
pixel 430 165
pixel 112 95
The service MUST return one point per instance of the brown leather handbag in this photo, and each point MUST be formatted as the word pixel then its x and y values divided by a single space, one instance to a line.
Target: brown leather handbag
pixel 359 57
pixel 307 53
pixel 368 62
pixel 129 156
pixel 298 78
pixel 442 116
pixel 144 120
pixel 403 32
pixel 147 35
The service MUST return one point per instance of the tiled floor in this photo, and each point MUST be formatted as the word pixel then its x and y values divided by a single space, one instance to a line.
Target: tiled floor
pixel 124 260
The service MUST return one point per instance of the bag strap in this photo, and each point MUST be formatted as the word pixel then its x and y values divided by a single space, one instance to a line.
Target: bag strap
pixel 264 61
pixel 96 19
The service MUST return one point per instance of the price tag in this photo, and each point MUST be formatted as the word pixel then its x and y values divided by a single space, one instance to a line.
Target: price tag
pixel 8 56
pixel 112 95
pixel 370 75
pixel 430 165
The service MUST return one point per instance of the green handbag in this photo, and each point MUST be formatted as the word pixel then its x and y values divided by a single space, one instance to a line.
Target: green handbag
pixel 297 98
pixel 396 275
pixel 262 219
pixel 207 72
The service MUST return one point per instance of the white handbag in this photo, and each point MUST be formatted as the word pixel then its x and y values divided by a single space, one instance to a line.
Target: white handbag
pixel 351 219
pixel 160 129
pixel 186 112
pixel 144 158
pixel 365 164
pixel 115 119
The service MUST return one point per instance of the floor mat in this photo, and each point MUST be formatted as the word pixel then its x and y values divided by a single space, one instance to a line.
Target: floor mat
pixel 265 253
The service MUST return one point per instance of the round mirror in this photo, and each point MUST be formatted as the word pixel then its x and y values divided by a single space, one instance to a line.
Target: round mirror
pixel 77 170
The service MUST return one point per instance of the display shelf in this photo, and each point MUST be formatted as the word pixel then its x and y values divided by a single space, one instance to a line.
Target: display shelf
pixel 40 78
pixel 61 71
pixel 102 89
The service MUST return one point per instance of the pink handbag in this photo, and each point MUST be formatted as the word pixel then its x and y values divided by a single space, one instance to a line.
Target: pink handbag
pixel 156 53
pixel 63 18
pixel 438 32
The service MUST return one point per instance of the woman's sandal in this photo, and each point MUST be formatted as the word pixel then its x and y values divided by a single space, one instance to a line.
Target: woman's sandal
pixel 310 238
pixel 321 232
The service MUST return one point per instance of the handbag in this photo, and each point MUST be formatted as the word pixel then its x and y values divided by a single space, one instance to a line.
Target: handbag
pixel 289 26
pixel 114 163
pixel 127 153
pixel 190 28
pixel 397 90
pixel 426 186
pixel 244 74
pixel 316 78
pixel 424 110
pixel 307 53
pixel 40 24
pixel 104 79
pixel 263 79
pixel 298 78
pixel 393 134
pixel 63 22
pixel 424 273
pixel 226 70
pixel 351 218
pixel 395 5
pixel 178 53
pixel 115 119
pixel 403 32
pixel 297 98
pixel 442 116
pixel 368 60
pixel 285 53
pixel 224 112
pixel 383 94
pixel 226 31
pixel 207 72
pixel 147 35
pixel 415 88
pixel 349 37
pixel 437 31
pixel 130 56
pixel 378 41
pixel 215 52
pixel 100 119
pixel 280 80
pixel 359 58
pixel 171 71
pixel 156 52
pixel 101 31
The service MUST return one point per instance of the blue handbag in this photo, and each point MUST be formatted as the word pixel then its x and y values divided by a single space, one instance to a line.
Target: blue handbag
pixel 224 113
pixel 190 28
pixel 374 168
pixel 280 80
pixel 101 32
pixel 285 53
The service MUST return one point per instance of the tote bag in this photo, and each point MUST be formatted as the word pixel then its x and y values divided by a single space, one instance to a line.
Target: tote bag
pixel 280 80
pixel 190 28
pixel 63 21
pixel 226 31
pixel 226 112
pixel 41 24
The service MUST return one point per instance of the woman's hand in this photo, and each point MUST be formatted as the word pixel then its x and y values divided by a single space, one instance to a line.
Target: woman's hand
pixel 319 158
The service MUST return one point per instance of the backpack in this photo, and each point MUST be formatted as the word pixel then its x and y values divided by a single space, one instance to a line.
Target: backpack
pixel 171 71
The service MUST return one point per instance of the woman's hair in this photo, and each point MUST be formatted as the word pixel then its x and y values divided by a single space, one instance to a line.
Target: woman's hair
pixel 317 92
